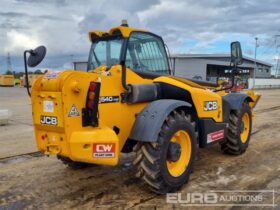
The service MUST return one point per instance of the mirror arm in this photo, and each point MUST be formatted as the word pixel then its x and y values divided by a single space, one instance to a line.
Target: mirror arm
pixel 26 70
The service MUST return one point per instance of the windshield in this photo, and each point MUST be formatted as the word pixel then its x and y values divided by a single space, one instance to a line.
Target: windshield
pixel 146 53
pixel 105 51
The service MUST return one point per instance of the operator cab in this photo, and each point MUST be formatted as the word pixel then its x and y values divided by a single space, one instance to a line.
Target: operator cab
pixel 141 51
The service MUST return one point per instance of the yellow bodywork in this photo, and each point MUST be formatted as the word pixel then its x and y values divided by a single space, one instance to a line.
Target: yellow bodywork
pixel 68 88
pixel 125 31
pixel 55 96
pixel 68 137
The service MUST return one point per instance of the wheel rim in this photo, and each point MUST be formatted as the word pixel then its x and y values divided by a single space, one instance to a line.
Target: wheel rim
pixel 245 128
pixel 178 167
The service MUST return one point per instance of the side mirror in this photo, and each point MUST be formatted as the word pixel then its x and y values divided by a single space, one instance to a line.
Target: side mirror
pixel 236 53
pixel 36 56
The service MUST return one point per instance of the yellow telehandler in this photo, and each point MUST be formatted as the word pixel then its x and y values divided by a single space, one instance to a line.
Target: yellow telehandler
pixel 129 101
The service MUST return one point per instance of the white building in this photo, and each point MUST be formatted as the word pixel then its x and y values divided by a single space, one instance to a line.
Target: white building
pixel 207 66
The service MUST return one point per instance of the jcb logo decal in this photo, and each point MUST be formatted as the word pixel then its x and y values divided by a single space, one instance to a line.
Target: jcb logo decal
pixel 210 105
pixel 103 150
pixel 48 120
pixel 109 99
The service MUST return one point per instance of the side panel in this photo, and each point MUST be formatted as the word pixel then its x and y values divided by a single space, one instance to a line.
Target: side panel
pixel 212 111
pixel 203 99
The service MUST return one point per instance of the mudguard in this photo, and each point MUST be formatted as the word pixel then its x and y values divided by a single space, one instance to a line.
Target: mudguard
pixel 149 121
pixel 236 100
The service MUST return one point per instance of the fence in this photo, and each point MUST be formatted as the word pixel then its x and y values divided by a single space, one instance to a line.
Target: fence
pixel 264 83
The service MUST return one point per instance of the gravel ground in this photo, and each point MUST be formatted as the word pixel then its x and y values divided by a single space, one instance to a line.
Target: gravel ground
pixel 28 180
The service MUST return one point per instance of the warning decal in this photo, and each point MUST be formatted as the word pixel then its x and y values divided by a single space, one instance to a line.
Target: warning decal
pixel 73 111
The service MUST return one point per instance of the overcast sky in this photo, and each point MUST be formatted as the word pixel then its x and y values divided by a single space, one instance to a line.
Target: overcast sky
pixel 187 26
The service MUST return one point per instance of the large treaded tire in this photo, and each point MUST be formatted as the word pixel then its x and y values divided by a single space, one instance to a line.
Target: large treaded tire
pixel 233 144
pixel 151 157
pixel 73 164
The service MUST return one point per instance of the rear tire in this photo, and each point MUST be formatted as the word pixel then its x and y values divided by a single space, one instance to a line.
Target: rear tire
pixel 153 160
pixel 239 131
pixel 73 164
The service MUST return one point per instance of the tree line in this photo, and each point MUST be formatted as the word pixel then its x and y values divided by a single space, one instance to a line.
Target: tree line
pixel 17 75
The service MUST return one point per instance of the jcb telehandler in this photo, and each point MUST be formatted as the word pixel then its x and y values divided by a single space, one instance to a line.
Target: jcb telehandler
pixel 130 101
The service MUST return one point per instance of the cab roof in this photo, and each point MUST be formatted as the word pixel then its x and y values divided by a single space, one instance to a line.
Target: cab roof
pixel 125 31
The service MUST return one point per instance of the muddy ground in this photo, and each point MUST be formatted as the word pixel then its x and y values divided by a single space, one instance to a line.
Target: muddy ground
pixel 29 180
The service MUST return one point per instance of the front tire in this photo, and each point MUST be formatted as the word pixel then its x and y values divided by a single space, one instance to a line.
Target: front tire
pixel 165 165
pixel 239 131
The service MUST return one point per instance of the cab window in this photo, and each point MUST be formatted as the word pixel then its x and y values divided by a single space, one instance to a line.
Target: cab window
pixel 146 53
pixel 105 51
